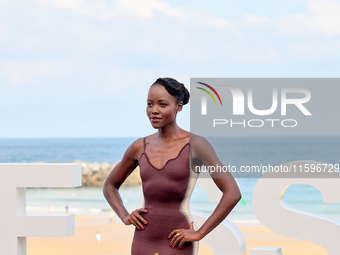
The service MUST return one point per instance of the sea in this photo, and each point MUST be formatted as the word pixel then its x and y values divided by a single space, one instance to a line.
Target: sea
pixel 237 151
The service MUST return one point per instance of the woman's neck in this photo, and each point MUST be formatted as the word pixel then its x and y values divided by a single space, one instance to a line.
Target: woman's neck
pixel 168 132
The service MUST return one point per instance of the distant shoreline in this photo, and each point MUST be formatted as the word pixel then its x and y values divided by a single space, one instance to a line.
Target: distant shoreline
pixel 94 174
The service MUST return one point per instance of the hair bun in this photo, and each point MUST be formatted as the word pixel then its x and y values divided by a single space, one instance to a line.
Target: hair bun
pixel 175 88
pixel 186 95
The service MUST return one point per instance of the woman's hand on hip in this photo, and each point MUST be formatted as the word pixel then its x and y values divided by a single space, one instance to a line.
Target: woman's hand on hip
pixel 135 218
pixel 180 236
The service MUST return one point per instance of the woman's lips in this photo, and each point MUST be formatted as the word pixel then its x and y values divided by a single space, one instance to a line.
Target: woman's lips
pixel 155 119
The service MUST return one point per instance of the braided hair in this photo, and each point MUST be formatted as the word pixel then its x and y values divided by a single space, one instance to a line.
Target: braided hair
pixel 174 88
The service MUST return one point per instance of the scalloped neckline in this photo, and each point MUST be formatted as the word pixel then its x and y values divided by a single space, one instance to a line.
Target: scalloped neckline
pixel 179 153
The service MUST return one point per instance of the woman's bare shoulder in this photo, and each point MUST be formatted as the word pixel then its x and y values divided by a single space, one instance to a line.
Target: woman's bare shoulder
pixel 135 149
pixel 200 146
pixel 198 140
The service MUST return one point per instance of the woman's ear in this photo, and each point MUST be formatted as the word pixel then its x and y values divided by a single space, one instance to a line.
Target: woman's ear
pixel 180 106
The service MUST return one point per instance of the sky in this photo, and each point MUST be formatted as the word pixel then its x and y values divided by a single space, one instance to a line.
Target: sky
pixel 76 68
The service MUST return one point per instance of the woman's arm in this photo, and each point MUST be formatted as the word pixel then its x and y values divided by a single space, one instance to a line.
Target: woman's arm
pixel 224 181
pixel 115 179
pixel 203 153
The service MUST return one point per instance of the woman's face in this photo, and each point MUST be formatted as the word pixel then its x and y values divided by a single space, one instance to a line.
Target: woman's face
pixel 161 106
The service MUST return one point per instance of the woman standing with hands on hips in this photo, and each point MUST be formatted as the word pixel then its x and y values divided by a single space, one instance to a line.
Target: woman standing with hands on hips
pixel 164 225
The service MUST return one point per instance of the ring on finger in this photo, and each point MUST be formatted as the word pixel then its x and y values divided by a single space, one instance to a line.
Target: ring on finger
pixel 177 234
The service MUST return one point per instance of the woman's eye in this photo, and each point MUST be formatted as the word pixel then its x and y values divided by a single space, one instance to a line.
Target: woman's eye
pixel 149 104
pixel 162 104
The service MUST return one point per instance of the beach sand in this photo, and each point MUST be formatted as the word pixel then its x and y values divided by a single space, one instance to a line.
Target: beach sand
pixel 116 239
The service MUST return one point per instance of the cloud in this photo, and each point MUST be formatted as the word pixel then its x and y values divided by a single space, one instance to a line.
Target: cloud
pixel 126 80
pixel 323 18
pixel 139 80
pixel 146 7
pixel 93 9
pixel 4 2
pixel 162 36
pixel 221 24
pixel 19 73
pixel 258 54
pixel 124 9
pixel 257 21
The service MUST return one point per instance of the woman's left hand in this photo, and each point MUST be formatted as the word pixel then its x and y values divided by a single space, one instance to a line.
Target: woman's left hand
pixel 185 235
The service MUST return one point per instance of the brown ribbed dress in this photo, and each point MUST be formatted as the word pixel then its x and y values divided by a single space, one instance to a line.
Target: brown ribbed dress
pixel 166 194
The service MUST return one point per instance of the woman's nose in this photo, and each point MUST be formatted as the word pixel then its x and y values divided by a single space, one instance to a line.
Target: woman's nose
pixel 154 110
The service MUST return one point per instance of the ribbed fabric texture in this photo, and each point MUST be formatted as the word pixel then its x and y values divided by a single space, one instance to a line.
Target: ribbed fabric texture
pixel 164 190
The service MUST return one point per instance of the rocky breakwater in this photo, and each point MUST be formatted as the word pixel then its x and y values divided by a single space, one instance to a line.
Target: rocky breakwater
pixel 95 174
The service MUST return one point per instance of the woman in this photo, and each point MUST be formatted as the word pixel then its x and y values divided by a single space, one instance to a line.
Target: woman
pixel 166 159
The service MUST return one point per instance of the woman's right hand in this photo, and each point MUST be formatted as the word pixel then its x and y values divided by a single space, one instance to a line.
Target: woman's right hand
pixel 136 219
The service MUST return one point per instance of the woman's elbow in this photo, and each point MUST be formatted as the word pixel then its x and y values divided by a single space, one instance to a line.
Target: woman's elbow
pixel 235 196
pixel 104 190
pixel 238 197
pixel 107 189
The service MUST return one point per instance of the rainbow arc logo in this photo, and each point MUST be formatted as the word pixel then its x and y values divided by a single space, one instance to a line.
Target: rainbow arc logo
pixel 209 93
